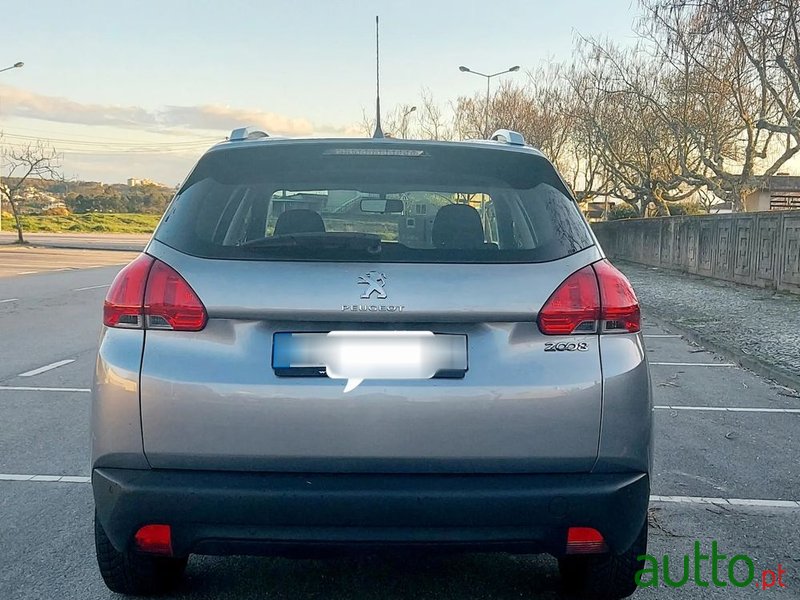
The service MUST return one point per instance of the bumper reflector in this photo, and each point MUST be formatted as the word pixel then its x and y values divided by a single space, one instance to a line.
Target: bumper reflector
pixel 585 540
pixel 154 539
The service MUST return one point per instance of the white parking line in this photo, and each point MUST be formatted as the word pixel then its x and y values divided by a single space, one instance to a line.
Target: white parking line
pixel 45 368
pixel 44 478
pixel 754 409
pixel 27 272
pixel 91 287
pixel 685 364
pixel 726 501
pixel 21 388
pixel 8 300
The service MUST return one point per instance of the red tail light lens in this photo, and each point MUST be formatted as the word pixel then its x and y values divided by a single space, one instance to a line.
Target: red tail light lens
pixel 149 294
pixel 154 539
pixel 170 303
pixel 596 295
pixel 123 305
pixel 620 308
pixel 585 540
pixel 574 307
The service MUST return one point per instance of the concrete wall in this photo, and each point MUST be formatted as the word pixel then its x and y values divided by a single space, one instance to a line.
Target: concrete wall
pixel 758 200
pixel 760 249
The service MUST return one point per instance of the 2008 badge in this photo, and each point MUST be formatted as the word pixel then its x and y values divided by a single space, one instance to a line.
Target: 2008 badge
pixel 566 346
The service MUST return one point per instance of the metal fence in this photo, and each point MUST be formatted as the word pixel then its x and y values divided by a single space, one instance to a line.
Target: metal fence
pixel 760 249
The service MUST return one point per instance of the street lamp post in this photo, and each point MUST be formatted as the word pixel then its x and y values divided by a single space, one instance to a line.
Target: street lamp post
pixel 16 65
pixel 464 69
pixel 403 122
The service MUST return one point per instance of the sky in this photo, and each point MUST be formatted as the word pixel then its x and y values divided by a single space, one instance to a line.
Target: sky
pixel 142 89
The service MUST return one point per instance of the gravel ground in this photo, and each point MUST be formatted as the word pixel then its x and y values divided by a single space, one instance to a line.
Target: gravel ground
pixel 759 327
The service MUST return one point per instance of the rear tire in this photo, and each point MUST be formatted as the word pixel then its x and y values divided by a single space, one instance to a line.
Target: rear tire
pixel 604 576
pixel 133 573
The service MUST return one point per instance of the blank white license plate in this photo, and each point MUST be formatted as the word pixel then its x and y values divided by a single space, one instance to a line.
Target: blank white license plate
pixel 370 354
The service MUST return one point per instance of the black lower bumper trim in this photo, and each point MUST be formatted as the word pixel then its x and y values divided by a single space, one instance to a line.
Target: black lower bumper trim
pixel 270 513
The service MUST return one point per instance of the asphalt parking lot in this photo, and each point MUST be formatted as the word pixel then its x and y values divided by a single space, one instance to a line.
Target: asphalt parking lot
pixel 29 260
pixel 726 468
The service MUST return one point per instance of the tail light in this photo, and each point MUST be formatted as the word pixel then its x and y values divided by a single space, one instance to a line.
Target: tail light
pixel 154 539
pixel 125 298
pixel 170 303
pixel 598 298
pixel 619 307
pixel 585 540
pixel 149 294
pixel 573 307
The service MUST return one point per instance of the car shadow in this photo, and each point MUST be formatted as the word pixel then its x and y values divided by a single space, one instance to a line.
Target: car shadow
pixel 460 577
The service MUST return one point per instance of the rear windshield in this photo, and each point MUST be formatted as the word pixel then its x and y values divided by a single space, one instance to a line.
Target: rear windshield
pixel 374 201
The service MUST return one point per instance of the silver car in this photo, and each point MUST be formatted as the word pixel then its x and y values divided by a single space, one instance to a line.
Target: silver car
pixel 359 344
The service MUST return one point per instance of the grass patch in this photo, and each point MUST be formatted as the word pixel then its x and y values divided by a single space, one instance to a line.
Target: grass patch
pixel 146 223
pixel 85 223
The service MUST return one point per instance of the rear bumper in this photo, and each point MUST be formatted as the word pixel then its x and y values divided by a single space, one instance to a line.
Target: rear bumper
pixel 270 513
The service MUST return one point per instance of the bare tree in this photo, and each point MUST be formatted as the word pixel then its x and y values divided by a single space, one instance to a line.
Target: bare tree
pixel 706 200
pixel 708 99
pixel 550 116
pixel 511 106
pixel 468 120
pixel 395 123
pixel 401 119
pixel 540 110
pixel 34 161
pixel 367 123
pixel 556 111
pixel 741 59
pixel 580 160
pixel 623 121
pixel 433 124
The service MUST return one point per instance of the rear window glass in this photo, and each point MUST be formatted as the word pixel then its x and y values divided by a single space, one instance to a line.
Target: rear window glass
pixel 369 201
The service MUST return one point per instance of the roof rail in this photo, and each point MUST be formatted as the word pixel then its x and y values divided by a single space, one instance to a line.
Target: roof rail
pixel 247 133
pixel 508 136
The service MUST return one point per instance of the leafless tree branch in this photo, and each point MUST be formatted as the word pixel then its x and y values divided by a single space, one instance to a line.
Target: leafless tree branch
pixel 34 161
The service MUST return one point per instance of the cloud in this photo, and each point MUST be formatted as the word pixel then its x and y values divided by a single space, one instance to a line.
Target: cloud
pixel 162 160
pixel 24 103
pixel 340 130
pixel 214 116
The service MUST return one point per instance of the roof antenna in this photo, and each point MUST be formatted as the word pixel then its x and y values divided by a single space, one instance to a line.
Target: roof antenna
pixel 378 131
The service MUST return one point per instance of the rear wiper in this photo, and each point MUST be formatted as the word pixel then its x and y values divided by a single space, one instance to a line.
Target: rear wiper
pixel 345 240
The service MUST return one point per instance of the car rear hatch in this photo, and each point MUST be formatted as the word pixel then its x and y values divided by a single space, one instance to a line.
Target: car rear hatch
pixel 512 398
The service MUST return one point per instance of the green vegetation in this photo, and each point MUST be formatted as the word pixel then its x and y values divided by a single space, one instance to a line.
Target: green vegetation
pixel 150 199
pixel 623 211
pixel 385 226
pixel 686 208
pixel 85 223
pixel 38 196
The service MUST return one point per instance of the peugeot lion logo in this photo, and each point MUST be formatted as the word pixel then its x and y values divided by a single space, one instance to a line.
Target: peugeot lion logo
pixel 375 282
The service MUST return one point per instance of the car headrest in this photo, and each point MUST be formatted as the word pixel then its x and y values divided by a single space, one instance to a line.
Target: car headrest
pixel 299 220
pixel 457 226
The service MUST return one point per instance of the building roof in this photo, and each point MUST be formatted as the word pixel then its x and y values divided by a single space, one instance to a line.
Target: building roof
pixel 783 183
